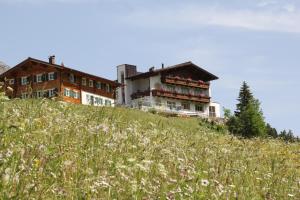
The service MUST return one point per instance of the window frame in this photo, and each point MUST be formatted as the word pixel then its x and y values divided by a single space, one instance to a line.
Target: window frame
pixel 83 81
pixel 198 106
pixel 37 76
pixel 51 76
pixel 11 81
pixel 91 81
pixel 24 80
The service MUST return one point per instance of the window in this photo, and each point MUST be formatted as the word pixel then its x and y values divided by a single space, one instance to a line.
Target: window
pixel 199 108
pixel 171 105
pixel 185 105
pixel 24 96
pixel 98 101
pixel 52 92
pixel 39 78
pixel 107 88
pixel 51 76
pixel 11 81
pixel 72 78
pixel 103 86
pixel 185 90
pixel 91 83
pixel 24 80
pixel 88 98
pixel 107 102
pixel 98 85
pixel 40 94
pixel 76 95
pixel 66 92
pixel 198 91
pixel 171 88
pixel 83 81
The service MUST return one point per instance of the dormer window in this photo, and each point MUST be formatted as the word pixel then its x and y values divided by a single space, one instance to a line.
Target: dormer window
pixel 83 81
pixel 72 78
pixel 11 81
pixel 91 83
pixel 98 85
pixel 107 88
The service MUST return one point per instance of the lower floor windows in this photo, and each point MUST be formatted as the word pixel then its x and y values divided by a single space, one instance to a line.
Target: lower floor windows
pixel 71 93
pixel 24 95
pixel 107 102
pixel 40 94
pixel 171 105
pixel 199 107
pixel 98 101
pixel 185 105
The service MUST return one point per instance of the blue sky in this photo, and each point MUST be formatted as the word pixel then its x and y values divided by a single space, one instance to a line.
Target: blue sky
pixel 253 40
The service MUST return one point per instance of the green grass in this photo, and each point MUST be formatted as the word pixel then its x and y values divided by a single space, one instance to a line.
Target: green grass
pixel 54 150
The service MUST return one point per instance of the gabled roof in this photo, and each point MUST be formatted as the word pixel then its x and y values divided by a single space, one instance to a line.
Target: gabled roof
pixel 189 64
pixel 29 59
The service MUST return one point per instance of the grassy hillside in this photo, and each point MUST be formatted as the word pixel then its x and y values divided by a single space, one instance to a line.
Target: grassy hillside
pixel 54 150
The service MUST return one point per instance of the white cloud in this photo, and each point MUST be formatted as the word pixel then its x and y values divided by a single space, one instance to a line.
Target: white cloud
pixel 193 16
pixel 289 7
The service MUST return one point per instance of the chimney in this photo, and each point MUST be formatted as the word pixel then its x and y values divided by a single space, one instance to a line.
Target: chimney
pixel 52 59
pixel 151 69
pixel 162 65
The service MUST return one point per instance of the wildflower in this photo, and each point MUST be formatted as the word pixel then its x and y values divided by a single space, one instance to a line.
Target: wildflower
pixel 131 160
pixel 67 163
pixel 204 182
pixel 291 195
pixel 9 153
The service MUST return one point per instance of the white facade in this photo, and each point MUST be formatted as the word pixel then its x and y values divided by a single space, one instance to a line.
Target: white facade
pixel 96 100
pixel 147 100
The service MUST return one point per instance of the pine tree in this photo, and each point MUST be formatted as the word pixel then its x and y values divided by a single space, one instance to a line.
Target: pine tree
pixel 248 120
pixel 245 96
pixel 251 121
pixel 271 131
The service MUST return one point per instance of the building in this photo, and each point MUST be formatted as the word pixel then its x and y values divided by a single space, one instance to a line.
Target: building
pixel 37 79
pixel 182 89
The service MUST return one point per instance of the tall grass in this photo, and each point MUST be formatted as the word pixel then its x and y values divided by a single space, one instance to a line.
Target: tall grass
pixel 54 150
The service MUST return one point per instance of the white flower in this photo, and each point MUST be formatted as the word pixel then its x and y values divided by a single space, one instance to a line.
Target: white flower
pixel 6 178
pixel 291 195
pixel 204 182
pixel 67 163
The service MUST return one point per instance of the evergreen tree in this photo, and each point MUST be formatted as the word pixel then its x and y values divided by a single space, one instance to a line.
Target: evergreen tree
pixel 251 121
pixel 245 96
pixel 271 131
pixel 248 120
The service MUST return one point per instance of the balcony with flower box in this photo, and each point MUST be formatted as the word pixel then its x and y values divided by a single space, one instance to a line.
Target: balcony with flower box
pixel 185 82
pixel 181 96
pixel 140 94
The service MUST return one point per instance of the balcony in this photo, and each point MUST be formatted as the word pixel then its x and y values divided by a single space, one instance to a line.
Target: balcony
pixel 181 96
pixel 185 82
pixel 140 94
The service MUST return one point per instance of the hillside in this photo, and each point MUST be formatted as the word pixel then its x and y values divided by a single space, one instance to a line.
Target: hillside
pixel 54 150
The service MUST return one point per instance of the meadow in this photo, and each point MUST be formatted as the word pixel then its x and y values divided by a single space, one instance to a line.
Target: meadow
pixel 55 150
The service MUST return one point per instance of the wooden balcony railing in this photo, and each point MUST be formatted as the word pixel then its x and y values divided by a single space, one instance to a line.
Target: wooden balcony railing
pixel 185 82
pixel 140 94
pixel 181 96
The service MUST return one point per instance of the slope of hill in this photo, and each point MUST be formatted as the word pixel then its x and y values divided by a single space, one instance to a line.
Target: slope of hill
pixel 3 67
pixel 54 150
